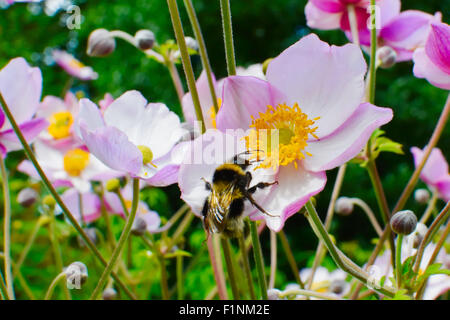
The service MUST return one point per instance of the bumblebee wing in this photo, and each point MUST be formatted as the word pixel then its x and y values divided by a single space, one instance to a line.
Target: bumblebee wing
pixel 219 204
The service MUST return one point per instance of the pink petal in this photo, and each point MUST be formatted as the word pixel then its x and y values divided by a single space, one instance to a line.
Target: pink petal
pixel 362 15
pixel 21 87
pixel 319 19
pixel 438 46
pixel 443 187
pixel 389 9
pixel 90 115
pixel 425 68
pixel 244 97
pixel 436 167
pixel 30 130
pixel 331 6
pixel 90 205
pixel 326 82
pixel 348 140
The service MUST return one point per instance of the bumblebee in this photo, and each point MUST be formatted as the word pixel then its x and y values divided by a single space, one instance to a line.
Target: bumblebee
pixel 223 208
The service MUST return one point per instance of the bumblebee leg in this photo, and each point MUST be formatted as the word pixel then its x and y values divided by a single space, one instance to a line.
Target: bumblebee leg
pixel 260 185
pixel 249 179
pixel 253 202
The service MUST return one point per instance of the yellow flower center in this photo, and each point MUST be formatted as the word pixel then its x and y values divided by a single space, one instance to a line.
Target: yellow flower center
pixel 212 113
pixel 281 134
pixel 147 155
pixel 75 161
pixel 60 124
pixel 74 63
pixel 320 286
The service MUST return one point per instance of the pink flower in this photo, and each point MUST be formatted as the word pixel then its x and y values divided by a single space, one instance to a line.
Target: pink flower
pixel 91 205
pixel 133 137
pixel 72 168
pixel 21 87
pixel 321 123
pixel 106 101
pixel 73 66
pixel 433 61
pixel 435 172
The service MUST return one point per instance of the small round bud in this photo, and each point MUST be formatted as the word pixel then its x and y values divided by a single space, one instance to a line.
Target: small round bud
pixel 109 294
pixel 344 206
pixel 404 222
pixel 100 43
pixel 92 235
pixel 418 234
pixel 145 39
pixel 112 185
pixel 386 57
pixel 76 274
pixel 273 294
pixel 191 43
pixel 49 201
pixel 266 65
pixel 339 287
pixel 422 196
pixel 139 227
pixel 27 197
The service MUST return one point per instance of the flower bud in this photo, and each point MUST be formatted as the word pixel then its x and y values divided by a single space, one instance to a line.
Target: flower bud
pixel 422 196
pixel 112 185
pixel 49 201
pixel 145 39
pixel 139 227
pixel 266 65
pixel 92 235
pixel 418 234
pixel 386 57
pixel 191 43
pixel 344 206
pixel 27 197
pixel 404 222
pixel 273 294
pixel 76 274
pixel 100 43
pixel 339 287
pixel 109 294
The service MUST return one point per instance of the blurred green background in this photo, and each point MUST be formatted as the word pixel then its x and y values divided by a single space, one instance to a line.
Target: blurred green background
pixel 262 29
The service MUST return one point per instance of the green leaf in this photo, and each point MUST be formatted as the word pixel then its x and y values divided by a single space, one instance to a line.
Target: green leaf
pixel 399 295
pixel 178 253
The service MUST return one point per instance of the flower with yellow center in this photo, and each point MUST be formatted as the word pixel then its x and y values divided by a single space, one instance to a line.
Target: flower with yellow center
pixel 75 161
pixel 60 124
pixel 212 113
pixel 281 135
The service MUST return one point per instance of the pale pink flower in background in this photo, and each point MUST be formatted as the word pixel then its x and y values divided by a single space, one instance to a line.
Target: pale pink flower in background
pixel 90 205
pixel 106 101
pixel 21 87
pixel 435 172
pixel 321 124
pixel 73 67
pixel 73 168
pixel 433 61
pixel 133 137
pixel 253 70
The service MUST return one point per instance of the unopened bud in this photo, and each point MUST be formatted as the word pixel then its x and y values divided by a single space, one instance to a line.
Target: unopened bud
pixel 139 227
pixel 109 294
pixel 49 201
pixel 189 132
pixel 112 185
pixel 100 43
pixel 344 206
pixel 386 57
pixel 27 197
pixel 76 273
pixel 422 196
pixel 418 234
pixel 191 43
pixel 404 222
pixel 145 39
pixel 92 235
pixel 266 65
pixel 273 294
pixel 339 287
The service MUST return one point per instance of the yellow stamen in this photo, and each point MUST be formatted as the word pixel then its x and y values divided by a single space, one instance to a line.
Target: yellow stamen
pixel 74 63
pixel 212 113
pixel 60 124
pixel 281 134
pixel 75 161
pixel 147 155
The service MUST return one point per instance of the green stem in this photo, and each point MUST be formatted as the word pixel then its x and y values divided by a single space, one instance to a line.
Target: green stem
pixel 216 263
pixel 122 240
pixel 53 285
pixel 176 79
pixel 7 229
pixel 203 53
pixel 373 220
pixel 431 205
pixel 56 196
pixel 373 53
pixel 180 278
pixel 185 59
pixel 184 225
pixel 259 261
pixel 163 279
pixel 398 261
pixel 30 241
pixel 3 290
pixel 228 36
pixel 248 273
pixel 306 293
pixel 290 258
pixel 230 268
pixel 273 259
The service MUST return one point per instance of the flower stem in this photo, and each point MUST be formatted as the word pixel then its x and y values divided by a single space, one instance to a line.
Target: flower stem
pixel 180 278
pixel 53 285
pixel 230 268
pixel 306 293
pixel 398 261
pixel 431 206
pixel 216 263
pixel 373 52
pixel 290 258
pixel 373 220
pixel 185 59
pixel 259 261
pixel 248 273
pixel 122 240
pixel 176 79
pixel 3 290
pixel 273 259
pixel 56 196
pixel 30 242
pixel 7 229
pixel 203 53
pixel 163 280
pixel 431 144
pixel 353 23
pixel 228 36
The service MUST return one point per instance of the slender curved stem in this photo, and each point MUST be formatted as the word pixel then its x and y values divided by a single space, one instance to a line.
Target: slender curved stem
pixel 163 280
pixel 248 273
pixel 216 263
pixel 122 240
pixel 203 53
pixel 185 59
pixel 398 261
pixel 53 285
pixel 259 261
pixel 3 290
pixel 353 23
pixel 175 79
pixel 7 229
pixel 290 258
pixel 426 154
pixel 180 278
pixel 431 206
pixel 273 259
pixel 184 224
pixel 373 220
pixel 230 268
pixel 56 196
pixel 228 36
pixel 373 53
pixel 306 293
